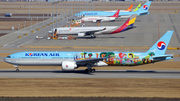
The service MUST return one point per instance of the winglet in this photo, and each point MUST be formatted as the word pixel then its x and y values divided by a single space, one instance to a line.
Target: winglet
pixel 116 14
pixel 129 9
pixel 128 24
pixel 161 45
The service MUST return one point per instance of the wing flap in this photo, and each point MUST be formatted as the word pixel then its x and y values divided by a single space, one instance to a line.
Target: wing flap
pixel 95 60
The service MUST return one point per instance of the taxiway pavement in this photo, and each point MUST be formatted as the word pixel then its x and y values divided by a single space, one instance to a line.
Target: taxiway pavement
pixel 149 74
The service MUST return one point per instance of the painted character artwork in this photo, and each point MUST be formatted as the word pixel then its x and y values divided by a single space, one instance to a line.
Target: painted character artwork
pixel 117 58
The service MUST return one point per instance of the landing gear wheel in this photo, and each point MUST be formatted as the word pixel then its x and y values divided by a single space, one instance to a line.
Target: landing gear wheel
pixel 92 36
pixel 93 70
pixel 86 70
pixel 17 70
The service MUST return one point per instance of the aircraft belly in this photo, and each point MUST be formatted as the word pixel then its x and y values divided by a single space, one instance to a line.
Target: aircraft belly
pixel 39 62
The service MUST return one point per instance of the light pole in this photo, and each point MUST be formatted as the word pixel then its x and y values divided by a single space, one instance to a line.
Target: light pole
pixel 53 19
pixel 57 14
pixel 29 9
pixel 31 25
pixel 43 20
pixel 69 14
pixel 61 13
pixel 18 30
pixel 24 25
pixel 37 24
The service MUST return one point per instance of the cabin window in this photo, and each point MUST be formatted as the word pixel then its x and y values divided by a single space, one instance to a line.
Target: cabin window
pixel 29 57
pixel 57 57
pixel 8 56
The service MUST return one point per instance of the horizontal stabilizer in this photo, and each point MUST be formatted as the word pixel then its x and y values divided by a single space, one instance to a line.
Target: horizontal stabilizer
pixel 163 57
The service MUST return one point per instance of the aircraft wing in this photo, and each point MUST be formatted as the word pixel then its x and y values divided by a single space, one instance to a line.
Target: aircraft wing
pixel 162 57
pixel 93 31
pixel 90 61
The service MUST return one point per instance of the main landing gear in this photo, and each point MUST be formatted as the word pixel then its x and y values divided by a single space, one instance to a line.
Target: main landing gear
pixel 93 36
pixel 17 70
pixel 89 69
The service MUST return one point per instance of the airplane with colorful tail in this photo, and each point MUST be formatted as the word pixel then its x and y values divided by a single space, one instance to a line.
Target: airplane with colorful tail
pixel 143 10
pixel 100 18
pixel 127 10
pixel 93 31
pixel 69 61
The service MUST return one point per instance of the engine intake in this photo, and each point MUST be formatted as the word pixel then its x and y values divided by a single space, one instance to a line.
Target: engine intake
pixel 81 34
pixel 69 65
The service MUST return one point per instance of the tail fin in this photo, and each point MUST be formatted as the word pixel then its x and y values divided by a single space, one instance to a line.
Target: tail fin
pixel 137 7
pixel 116 14
pixel 161 45
pixel 129 9
pixel 127 25
pixel 145 7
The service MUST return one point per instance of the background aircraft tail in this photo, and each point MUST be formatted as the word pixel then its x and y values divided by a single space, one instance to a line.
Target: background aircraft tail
pixel 116 14
pixel 137 7
pixel 161 45
pixel 144 8
pixel 127 25
pixel 129 9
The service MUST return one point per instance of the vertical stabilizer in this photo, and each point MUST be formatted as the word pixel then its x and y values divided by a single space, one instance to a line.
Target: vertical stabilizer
pixel 137 7
pixel 144 8
pixel 161 45
pixel 116 14
pixel 129 9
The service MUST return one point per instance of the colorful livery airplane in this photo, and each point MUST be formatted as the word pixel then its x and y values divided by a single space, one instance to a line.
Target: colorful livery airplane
pixel 84 31
pixel 101 18
pixel 72 60
pixel 128 10
pixel 143 10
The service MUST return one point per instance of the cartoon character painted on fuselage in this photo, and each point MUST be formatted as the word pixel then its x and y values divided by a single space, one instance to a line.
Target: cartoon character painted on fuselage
pixel 73 60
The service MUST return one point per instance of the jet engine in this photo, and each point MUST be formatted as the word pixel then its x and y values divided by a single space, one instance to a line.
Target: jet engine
pixel 81 34
pixel 69 65
pixel 94 20
pixel 112 18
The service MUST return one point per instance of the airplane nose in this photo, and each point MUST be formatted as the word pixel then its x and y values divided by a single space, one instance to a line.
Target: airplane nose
pixel 5 59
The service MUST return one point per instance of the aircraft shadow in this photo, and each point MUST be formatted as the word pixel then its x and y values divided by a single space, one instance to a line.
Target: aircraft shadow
pixel 98 71
pixel 97 37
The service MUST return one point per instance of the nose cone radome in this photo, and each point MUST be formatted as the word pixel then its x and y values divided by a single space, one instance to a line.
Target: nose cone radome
pixel 7 60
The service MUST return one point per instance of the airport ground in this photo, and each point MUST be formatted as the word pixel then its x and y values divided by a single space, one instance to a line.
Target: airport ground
pixel 145 82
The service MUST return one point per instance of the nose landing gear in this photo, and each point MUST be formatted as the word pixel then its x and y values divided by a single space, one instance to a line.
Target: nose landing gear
pixel 17 70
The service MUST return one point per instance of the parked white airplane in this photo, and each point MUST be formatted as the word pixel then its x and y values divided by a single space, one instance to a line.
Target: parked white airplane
pixel 84 31
pixel 101 18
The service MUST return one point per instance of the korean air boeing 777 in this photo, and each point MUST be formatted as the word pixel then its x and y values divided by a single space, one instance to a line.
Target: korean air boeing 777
pixel 70 61
pixel 143 10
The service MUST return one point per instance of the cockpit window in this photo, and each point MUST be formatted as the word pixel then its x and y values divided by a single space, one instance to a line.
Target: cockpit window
pixel 8 56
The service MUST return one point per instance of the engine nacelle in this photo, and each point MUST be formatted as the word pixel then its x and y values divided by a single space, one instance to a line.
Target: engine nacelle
pixel 69 65
pixel 112 18
pixel 94 20
pixel 81 34
pixel 101 63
